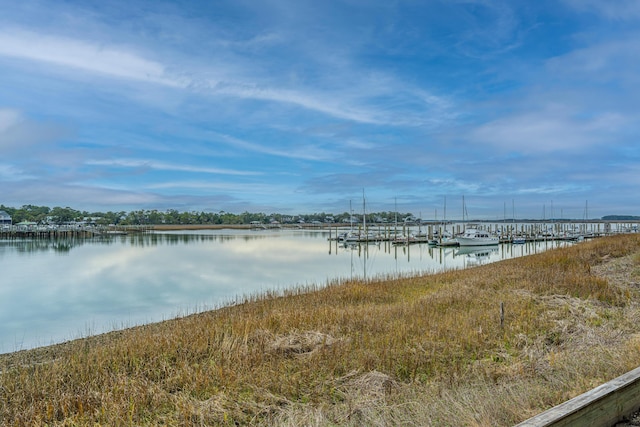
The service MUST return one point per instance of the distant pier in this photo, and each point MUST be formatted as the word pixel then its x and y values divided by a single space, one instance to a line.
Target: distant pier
pixel 64 232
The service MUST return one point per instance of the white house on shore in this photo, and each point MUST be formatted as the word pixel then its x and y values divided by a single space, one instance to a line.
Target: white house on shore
pixel 5 218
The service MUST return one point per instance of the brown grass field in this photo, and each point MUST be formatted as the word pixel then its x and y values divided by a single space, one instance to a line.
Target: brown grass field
pixel 414 351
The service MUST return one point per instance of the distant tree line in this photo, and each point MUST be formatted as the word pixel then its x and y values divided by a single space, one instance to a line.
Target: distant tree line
pixel 621 218
pixel 59 215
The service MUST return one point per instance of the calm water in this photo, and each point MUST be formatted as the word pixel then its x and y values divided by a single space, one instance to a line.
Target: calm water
pixel 52 291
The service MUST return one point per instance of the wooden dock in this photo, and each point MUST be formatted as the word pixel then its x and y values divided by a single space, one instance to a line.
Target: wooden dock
pixel 55 233
pixel 604 406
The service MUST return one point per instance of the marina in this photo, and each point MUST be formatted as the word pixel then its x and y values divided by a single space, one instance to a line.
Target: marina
pixel 442 234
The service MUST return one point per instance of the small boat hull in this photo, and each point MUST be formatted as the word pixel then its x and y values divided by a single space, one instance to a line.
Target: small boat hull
pixel 477 241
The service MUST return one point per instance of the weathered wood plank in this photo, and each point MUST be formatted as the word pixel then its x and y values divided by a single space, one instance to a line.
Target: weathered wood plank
pixel 601 407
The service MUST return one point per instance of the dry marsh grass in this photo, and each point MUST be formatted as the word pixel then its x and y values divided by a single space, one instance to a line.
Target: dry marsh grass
pixel 424 350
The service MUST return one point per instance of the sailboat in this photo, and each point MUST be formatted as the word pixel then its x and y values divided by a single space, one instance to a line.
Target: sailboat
pixel 363 235
pixel 444 238
pixel 406 237
pixel 518 239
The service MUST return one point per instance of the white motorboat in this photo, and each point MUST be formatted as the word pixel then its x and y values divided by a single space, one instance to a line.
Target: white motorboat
pixel 475 237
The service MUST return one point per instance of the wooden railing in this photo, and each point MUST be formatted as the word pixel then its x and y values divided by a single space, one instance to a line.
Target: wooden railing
pixel 603 406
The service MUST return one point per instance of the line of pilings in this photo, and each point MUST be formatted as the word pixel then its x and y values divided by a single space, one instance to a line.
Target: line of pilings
pixel 16 232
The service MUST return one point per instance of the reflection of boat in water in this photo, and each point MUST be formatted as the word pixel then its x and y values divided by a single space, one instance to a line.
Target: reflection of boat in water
pixel 477 254
pixel 475 250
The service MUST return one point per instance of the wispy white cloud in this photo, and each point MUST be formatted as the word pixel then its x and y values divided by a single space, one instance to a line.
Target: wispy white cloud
pixel 321 73
pixel 306 152
pixel 164 166
pixel 233 79
pixel 369 101
pixel 359 144
pixel 258 41
pixel 19 133
pixel 8 119
pixel 82 55
pixel 622 10
pixel 553 130
pixel 11 173
pixel 549 189
pixel 227 187
pixel 487 28
pixel 613 60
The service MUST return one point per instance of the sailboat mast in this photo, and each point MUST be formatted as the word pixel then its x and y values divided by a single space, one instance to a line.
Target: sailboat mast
pixel 513 217
pixel 464 209
pixel 396 223
pixel 364 213
pixel 586 210
pixel 350 217
pixel 444 217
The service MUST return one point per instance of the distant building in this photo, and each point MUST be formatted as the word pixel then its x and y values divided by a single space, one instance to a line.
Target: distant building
pixel 5 218
pixel 410 220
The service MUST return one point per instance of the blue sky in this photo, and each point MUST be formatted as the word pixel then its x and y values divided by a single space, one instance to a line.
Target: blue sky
pixel 297 106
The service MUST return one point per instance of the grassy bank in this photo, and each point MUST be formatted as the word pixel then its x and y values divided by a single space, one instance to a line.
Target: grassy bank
pixel 428 350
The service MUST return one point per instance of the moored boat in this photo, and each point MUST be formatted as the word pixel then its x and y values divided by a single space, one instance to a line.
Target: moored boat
pixel 476 237
pixel 518 240
pixel 361 237
pixel 443 239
